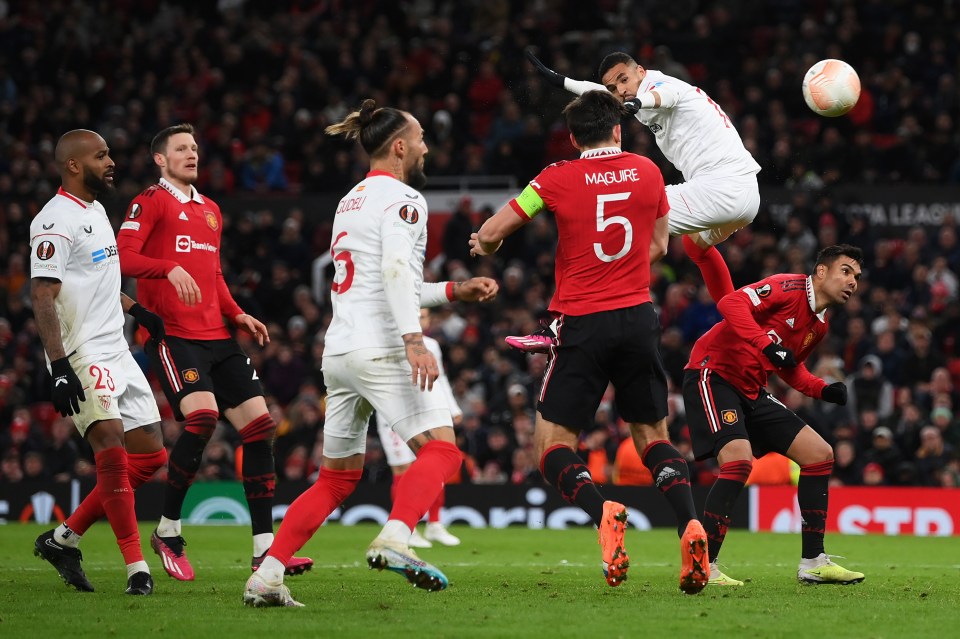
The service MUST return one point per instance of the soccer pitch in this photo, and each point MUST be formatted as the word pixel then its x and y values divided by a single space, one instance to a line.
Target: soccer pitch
pixel 512 582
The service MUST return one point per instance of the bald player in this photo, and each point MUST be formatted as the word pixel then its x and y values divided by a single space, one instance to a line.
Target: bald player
pixel 75 288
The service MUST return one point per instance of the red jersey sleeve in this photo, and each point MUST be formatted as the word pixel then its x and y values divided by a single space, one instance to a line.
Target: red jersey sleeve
pixel 739 307
pixel 228 305
pixel 803 380
pixel 138 224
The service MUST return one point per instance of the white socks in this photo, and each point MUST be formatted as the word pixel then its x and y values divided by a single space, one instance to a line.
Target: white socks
pixel 137 566
pixel 168 527
pixel 262 543
pixel 271 570
pixel 396 531
pixel 66 537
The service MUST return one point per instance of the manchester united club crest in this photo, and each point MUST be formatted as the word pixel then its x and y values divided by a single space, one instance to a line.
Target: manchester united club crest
pixel 191 375
pixel 211 220
pixel 808 339
pixel 729 417
pixel 105 401
pixel 409 214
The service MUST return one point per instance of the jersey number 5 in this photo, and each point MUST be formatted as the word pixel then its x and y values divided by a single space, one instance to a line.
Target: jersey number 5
pixel 343 261
pixel 604 222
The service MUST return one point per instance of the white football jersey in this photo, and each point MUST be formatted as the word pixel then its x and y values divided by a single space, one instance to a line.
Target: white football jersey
pixel 377 213
pixel 72 241
pixel 442 385
pixel 695 135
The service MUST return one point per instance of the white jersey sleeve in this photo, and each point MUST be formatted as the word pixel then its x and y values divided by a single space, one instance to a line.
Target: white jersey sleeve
pixel 442 385
pixel 379 212
pixel 72 241
pixel 695 134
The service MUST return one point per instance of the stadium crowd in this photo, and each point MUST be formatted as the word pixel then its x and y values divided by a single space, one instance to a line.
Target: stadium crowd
pixel 261 85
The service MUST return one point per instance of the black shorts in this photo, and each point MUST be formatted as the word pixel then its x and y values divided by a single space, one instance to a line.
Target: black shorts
pixel 718 413
pixel 620 347
pixel 218 366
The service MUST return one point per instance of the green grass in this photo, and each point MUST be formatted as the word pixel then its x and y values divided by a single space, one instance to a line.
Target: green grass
pixel 504 583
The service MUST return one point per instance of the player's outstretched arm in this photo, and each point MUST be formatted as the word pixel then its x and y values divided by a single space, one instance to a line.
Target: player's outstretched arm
pixel 476 289
pixel 579 87
pixel 489 238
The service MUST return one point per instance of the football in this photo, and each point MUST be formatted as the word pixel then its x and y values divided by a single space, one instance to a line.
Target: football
pixel 831 88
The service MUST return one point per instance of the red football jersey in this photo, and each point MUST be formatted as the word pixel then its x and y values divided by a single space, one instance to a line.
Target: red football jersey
pixel 777 309
pixel 162 229
pixel 606 204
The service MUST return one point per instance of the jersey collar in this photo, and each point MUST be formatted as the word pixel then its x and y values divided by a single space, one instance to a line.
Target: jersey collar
pixel 378 172
pixel 71 196
pixel 181 197
pixel 601 152
pixel 812 299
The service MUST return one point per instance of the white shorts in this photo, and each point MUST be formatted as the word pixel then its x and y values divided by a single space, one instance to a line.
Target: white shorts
pixel 378 379
pixel 394 448
pixel 115 388
pixel 715 207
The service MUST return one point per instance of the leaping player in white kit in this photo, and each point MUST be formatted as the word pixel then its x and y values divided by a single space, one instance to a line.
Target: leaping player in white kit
pixel 374 356
pixel 720 194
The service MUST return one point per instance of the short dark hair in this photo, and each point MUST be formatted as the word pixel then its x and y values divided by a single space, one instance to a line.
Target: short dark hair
pixel 159 143
pixel 372 126
pixel 829 254
pixel 592 116
pixel 612 60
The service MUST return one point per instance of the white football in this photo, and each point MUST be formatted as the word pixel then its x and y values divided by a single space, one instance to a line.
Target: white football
pixel 831 88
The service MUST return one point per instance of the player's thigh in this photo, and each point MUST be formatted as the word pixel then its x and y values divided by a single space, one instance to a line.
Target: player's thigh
pixel 634 365
pixel 772 426
pixel 574 380
pixel 384 381
pixel 103 382
pixel 137 404
pixel 714 207
pixel 235 380
pixel 395 449
pixel 716 413
pixel 347 412
pixel 182 366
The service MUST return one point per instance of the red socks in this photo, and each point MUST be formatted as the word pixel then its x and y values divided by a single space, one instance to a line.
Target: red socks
pixel 113 485
pixel 713 269
pixel 310 510
pixel 140 468
pixel 433 513
pixel 421 484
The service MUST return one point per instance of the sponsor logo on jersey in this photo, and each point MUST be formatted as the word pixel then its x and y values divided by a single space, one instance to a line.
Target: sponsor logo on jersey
pixel 101 254
pixel 655 128
pixel 135 211
pixel 45 250
pixel 729 416
pixel 808 339
pixel 776 338
pixel 764 290
pixel 211 220
pixel 130 226
pixel 409 214
pixel 185 244
pixel 191 376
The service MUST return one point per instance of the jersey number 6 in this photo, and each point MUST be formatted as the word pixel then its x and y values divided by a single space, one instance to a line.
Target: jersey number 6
pixel 343 261
pixel 603 223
